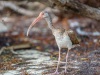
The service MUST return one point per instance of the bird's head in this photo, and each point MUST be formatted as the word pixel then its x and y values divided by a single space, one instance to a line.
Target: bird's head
pixel 43 14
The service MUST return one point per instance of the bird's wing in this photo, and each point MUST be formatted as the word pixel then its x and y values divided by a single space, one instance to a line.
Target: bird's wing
pixel 73 37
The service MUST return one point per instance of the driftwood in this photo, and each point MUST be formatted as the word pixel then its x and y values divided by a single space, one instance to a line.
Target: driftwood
pixel 74 6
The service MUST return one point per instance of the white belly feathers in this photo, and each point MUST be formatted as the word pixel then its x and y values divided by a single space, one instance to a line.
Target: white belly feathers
pixel 63 41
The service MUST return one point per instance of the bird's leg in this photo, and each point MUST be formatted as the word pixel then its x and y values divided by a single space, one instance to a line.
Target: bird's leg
pixel 66 61
pixel 56 72
pixel 12 50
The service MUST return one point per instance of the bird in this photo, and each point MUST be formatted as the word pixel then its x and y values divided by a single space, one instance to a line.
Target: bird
pixel 64 38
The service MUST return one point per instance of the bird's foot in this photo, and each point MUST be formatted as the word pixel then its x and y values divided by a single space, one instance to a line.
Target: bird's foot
pixel 55 73
pixel 65 71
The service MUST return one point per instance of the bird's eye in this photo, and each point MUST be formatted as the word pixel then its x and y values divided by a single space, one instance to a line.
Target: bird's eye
pixel 42 13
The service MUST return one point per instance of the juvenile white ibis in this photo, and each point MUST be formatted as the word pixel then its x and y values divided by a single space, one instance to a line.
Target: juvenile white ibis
pixel 64 38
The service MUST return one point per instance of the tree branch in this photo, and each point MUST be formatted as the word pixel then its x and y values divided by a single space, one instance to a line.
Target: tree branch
pixel 73 6
pixel 6 4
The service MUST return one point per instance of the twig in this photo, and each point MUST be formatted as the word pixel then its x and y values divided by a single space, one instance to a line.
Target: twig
pixel 6 4
pixel 11 48
pixel 80 32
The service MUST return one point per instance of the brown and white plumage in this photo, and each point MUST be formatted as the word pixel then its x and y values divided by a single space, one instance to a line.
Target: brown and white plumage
pixel 73 37
pixel 64 38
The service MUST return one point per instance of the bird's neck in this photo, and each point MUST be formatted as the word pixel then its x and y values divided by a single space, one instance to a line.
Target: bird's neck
pixel 49 22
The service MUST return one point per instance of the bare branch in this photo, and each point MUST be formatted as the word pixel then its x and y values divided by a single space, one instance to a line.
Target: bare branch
pixel 74 6
pixel 6 4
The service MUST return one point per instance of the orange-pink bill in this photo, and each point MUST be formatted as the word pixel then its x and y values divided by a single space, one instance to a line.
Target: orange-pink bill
pixel 34 22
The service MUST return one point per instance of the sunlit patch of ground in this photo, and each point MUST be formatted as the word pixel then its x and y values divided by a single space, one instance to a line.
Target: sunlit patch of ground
pixel 27 61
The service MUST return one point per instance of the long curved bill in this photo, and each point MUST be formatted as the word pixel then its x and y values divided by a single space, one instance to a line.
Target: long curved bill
pixel 33 23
